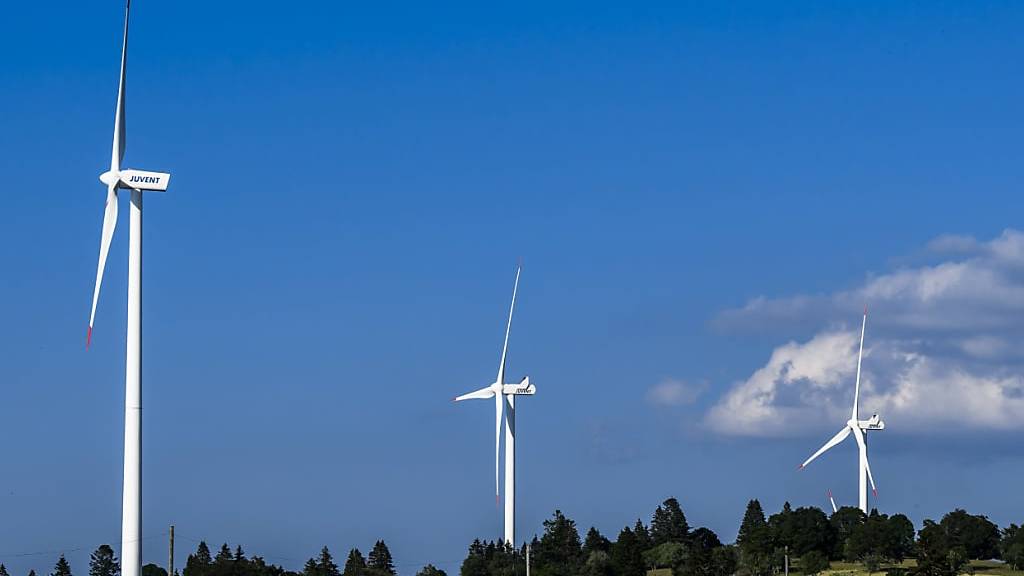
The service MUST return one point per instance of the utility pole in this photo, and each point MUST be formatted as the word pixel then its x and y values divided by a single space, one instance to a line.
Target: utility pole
pixel 170 560
pixel 787 560
pixel 527 560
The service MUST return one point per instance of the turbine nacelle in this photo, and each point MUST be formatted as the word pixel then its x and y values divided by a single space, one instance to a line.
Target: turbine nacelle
pixel 874 423
pixel 524 388
pixel 137 180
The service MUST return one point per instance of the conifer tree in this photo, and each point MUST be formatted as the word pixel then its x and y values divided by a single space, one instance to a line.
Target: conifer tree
pixel 3 570
pixel 62 568
pixel 31 573
pixel 199 564
pixel 669 523
pixel 325 564
pixel 379 559
pixel 102 562
pixel 355 564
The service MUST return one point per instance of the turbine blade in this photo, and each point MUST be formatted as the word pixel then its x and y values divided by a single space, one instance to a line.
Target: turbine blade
pixel 860 355
pixel 482 393
pixel 498 405
pixel 839 437
pixel 109 223
pixel 864 459
pixel 508 328
pixel 833 501
pixel 120 139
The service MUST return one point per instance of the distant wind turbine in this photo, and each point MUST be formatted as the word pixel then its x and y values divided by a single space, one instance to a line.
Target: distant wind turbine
pixel 137 181
pixel 859 428
pixel 504 404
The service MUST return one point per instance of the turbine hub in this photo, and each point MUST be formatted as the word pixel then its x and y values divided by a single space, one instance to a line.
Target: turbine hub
pixel 110 177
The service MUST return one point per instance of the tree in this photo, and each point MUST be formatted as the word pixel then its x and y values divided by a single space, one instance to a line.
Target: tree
pixel 627 555
pixel 558 552
pixel 724 560
pixel 664 555
pixel 935 555
pixel 31 573
pixel 431 570
pixel 899 538
pixel 153 570
pixel 976 534
pixel 754 540
pixel 597 563
pixel 843 522
pixel 643 536
pixel 325 564
pixel 475 563
pixel 379 560
pixel 102 562
pixel 669 523
pixel 698 557
pixel 199 564
pixel 1011 546
pixel 355 564
pixel 814 562
pixel 62 568
pixel 3 570
pixel 595 542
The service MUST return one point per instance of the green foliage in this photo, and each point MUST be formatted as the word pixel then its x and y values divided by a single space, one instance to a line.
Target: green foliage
pixel 628 555
pixel 664 555
pixel 1011 546
pixel 597 563
pixel 379 561
pixel 355 564
pixel 669 523
pixel 153 570
pixel 430 570
pixel 813 562
pixel 802 530
pixel 844 521
pixel 755 541
pixel 62 567
pixel 492 559
pixel 936 555
pixel 3 570
pixel 102 562
pixel 595 542
pixel 975 534
pixel 558 552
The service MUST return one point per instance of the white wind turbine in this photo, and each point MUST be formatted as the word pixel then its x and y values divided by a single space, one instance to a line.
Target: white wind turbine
pixel 504 402
pixel 858 427
pixel 137 181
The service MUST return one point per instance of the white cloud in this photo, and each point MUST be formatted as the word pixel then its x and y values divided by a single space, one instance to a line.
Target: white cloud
pixel 671 392
pixel 943 348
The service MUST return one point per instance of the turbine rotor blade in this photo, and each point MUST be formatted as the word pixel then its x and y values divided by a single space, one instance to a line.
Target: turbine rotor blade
pixel 508 328
pixel 120 136
pixel 482 393
pixel 839 437
pixel 859 436
pixel 109 223
pixel 498 405
pixel 860 356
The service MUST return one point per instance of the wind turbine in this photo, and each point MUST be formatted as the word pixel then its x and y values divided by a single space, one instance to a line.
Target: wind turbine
pixel 137 181
pixel 504 403
pixel 833 501
pixel 858 427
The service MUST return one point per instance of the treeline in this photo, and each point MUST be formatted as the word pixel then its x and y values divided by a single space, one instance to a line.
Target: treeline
pixel 234 562
pixel 808 537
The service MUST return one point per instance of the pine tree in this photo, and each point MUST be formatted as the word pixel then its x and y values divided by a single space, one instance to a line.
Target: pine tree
pixel 754 540
pixel 669 523
pixel 643 536
pixel 199 564
pixel 379 559
pixel 325 564
pixel 431 570
pixel 627 556
pixel 559 552
pixel 224 555
pixel 3 570
pixel 102 562
pixel 31 573
pixel 355 564
pixel 311 568
pixel 62 568
pixel 595 542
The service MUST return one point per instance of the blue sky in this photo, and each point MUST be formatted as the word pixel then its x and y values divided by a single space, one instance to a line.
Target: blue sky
pixel 704 196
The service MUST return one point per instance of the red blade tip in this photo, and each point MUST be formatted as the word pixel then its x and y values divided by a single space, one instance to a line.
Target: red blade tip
pixel 88 337
pixel 875 492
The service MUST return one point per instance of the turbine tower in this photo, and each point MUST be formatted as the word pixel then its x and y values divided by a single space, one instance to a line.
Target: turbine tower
pixel 859 428
pixel 505 404
pixel 137 181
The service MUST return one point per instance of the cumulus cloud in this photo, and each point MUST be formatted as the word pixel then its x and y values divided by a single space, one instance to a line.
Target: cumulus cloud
pixel 943 347
pixel 670 392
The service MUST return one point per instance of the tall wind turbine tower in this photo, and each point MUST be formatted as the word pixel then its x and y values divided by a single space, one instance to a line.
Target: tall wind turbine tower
pixel 504 402
pixel 859 428
pixel 137 181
